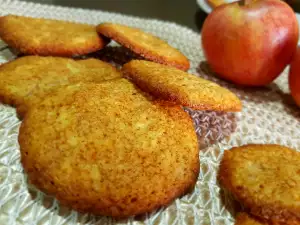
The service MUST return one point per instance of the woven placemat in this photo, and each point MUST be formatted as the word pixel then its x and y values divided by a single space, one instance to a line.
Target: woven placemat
pixel 268 116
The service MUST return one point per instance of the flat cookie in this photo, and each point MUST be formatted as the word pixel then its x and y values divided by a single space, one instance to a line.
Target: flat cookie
pixel 265 179
pixel 26 80
pixel 47 37
pixel 108 149
pixel 150 47
pixel 245 219
pixel 185 89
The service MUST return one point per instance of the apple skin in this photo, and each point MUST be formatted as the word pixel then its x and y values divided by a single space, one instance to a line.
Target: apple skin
pixel 250 44
pixel 294 77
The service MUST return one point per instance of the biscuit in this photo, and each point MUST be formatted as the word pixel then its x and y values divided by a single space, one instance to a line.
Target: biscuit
pixel 47 37
pixel 245 219
pixel 108 149
pixel 175 85
pixel 150 47
pixel 28 79
pixel 265 179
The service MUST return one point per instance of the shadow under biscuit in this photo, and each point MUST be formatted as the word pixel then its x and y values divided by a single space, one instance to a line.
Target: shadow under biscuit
pixel 231 205
pixel 116 55
pixel 211 126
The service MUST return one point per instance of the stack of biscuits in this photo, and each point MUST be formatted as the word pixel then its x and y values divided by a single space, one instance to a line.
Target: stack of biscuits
pixel 102 140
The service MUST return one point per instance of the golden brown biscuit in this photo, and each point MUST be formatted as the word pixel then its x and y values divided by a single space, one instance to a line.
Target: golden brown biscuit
pixel 245 219
pixel 28 79
pixel 150 47
pixel 108 149
pixel 265 179
pixel 47 37
pixel 178 86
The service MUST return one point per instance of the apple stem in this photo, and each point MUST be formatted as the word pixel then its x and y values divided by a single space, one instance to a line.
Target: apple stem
pixel 244 2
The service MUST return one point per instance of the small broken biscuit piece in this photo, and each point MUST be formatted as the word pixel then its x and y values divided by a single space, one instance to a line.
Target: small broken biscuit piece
pixel 245 219
pixel 47 37
pixel 185 89
pixel 150 47
pixel 265 179
pixel 108 149
pixel 26 80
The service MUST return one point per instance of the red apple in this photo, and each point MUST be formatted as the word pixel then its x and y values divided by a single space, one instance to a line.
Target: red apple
pixel 250 43
pixel 294 77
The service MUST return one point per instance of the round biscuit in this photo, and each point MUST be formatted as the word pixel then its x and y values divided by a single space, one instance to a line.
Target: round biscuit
pixel 150 47
pixel 109 149
pixel 265 179
pixel 48 37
